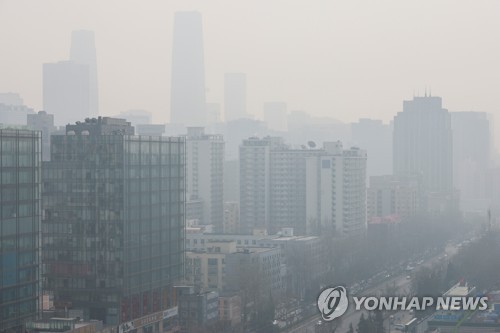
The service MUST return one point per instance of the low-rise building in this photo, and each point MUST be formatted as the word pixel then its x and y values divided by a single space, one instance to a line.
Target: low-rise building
pixel 197 309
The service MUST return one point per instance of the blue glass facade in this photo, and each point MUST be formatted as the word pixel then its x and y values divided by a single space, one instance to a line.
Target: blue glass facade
pixel 113 226
pixel 20 187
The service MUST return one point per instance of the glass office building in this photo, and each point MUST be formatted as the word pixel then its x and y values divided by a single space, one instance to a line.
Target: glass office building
pixel 20 187
pixel 113 225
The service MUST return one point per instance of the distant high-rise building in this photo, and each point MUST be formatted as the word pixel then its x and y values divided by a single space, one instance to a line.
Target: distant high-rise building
pixel 389 197
pixel 213 113
pixel 336 190
pixel 231 218
pixel 235 96
pixel 240 129
pixel 376 138
pixel 20 228
pixel 204 174
pixel 11 99
pixel 66 91
pixel 113 225
pixel 14 114
pixel 188 71
pixel 44 122
pixel 83 52
pixel 422 144
pixel 150 129
pixel 472 147
pixel 275 115
pixel 255 182
pixel 423 148
pixel 136 117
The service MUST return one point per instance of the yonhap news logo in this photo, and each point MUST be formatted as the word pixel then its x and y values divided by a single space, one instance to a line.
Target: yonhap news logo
pixel 333 303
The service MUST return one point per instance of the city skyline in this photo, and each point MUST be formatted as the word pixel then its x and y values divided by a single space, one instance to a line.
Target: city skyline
pixel 321 78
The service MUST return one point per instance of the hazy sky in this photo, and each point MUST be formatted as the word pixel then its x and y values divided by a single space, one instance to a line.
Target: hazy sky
pixel 342 58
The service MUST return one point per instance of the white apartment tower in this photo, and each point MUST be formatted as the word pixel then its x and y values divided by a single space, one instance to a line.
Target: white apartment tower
pixel 336 190
pixel 205 171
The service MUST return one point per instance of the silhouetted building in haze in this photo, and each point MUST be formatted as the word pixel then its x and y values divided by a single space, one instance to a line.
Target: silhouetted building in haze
pixel 472 147
pixel 423 148
pixel 235 96
pixel 66 91
pixel 14 114
pixel 83 52
pixel 376 138
pixel 11 99
pixel 275 115
pixel 188 71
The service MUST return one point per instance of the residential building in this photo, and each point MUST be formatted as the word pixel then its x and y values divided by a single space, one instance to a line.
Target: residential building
pixel 204 174
pixel 255 182
pixel 205 269
pixel 235 96
pixel 336 190
pixel 20 203
pixel 391 196
pixel 231 224
pixel 273 185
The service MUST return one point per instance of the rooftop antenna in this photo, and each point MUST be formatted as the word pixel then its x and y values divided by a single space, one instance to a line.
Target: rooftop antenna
pixel 425 91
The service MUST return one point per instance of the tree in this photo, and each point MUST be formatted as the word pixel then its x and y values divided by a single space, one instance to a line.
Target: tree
pixel 378 322
pixel 363 325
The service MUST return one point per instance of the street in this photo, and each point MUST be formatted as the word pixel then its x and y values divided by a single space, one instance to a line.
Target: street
pixel 400 284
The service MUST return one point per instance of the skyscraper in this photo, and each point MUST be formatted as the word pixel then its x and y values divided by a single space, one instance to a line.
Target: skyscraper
pixel 20 186
pixel 376 138
pixel 275 115
pixel 422 143
pixel 113 226
pixel 66 91
pixel 472 148
pixel 235 96
pixel 188 71
pixel 83 52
